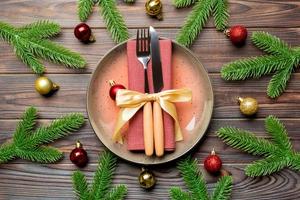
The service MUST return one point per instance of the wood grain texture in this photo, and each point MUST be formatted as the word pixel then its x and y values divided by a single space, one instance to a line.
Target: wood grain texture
pixel 212 48
pixel 22 180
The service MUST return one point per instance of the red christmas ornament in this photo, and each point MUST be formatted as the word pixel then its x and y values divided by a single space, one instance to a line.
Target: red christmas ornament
pixel 114 88
pixel 84 33
pixel 213 163
pixel 237 34
pixel 78 156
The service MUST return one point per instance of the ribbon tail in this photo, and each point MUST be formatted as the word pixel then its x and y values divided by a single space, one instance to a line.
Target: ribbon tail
pixel 125 114
pixel 170 108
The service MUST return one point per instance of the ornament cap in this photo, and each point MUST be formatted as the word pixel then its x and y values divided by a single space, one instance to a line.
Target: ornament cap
pixel 55 86
pixel 111 83
pixel 227 32
pixel 213 152
pixel 240 99
pixel 92 38
pixel 78 144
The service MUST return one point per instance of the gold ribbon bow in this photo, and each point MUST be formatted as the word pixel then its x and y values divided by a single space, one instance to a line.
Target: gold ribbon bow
pixel 131 101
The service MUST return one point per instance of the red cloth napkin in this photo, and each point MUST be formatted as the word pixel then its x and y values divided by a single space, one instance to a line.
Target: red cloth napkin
pixel 135 137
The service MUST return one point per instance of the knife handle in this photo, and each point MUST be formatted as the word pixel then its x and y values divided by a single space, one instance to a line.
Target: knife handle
pixel 148 129
pixel 158 129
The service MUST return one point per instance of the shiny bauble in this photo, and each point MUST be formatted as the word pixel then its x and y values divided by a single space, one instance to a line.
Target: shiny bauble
pixel 78 155
pixel 84 33
pixel 154 8
pixel 248 105
pixel 213 163
pixel 237 35
pixel 44 86
pixel 114 88
pixel 147 179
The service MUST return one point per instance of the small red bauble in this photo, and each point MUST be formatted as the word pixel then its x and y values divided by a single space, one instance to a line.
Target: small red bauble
pixel 237 34
pixel 84 33
pixel 78 156
pixel 114 88
pixel 213 163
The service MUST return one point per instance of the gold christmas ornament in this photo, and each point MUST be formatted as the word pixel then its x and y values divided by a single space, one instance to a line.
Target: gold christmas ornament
pixel 154 8
pixel 248 105
pixel 45 86
pixel 146 179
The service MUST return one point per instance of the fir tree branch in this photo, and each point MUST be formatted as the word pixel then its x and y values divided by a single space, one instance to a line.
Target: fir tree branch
pixel 266 166
pixel 221 14
pixel 223 189
pixel 114 20
pixel 246 141
pixel 270 44
pixel 7 152
pixel 195 22
pixel 278 132
pixel 117 193
pixel 26 142
pixel 102 182
pixel 41 29
pixel 129 1
pixel 80 186
pixel 193 178
pixel 183 3
pixel 279 81
pixel 41 154
pixel 59 128
pixel 253 67
pixel 103 175
pixel 26 125
pixel 178 194
pixel 277 155
pixel 84 9
pixel 28 44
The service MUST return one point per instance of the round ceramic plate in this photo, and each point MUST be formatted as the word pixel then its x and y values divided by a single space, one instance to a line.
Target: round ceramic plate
pixel 194 117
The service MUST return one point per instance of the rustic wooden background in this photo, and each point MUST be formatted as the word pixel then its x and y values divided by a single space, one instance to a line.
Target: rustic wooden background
pixel 24 180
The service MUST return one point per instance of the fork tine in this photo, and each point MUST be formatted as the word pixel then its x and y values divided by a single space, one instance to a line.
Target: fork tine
pixel 148 41
pixel 144 47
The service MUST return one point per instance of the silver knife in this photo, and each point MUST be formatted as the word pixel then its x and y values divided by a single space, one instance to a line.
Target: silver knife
pixel 158 84
pixel 157 74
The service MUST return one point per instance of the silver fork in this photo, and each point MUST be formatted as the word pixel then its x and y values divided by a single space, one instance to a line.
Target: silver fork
pixel 143 52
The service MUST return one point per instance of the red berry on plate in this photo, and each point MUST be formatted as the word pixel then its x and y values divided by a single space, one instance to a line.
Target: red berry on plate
pixel 213 163
pixel 237 35
pixel 78 156
pixel 114 88
pixel 84 33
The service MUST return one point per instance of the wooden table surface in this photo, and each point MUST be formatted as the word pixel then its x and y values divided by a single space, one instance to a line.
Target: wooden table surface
pixel 24 180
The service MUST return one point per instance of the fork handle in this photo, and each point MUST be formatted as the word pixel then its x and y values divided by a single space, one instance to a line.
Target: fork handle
pixel 146 86
pixel 148 129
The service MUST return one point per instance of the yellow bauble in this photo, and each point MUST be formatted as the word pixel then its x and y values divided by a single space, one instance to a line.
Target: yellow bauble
pixel 147 179
pixel 154 8
pixel 44 85
pixel 248 105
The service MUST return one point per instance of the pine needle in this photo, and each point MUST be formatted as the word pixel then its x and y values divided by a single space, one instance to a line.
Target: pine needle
pixel 114 20
pixel 197 186
pixel 194 22
pixel 30 44
pixel 221 14
pixel 282 62
pixel 102 182
pixel 183 3
pixel 26 143
pixel 223 189
pixel 278 153
pixel 85 8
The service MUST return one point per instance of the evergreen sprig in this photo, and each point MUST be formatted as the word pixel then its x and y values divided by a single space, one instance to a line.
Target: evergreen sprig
pixel 111 15
pixel 198 17
pixel 282 61
pixel 30 43
pixel 278 152
pixel 27 143
pixel 197 186
pixel 183 3
pixel 100 189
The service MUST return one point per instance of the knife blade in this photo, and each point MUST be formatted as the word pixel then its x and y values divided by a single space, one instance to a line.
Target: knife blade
pixel 158 84
pixel 157 75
